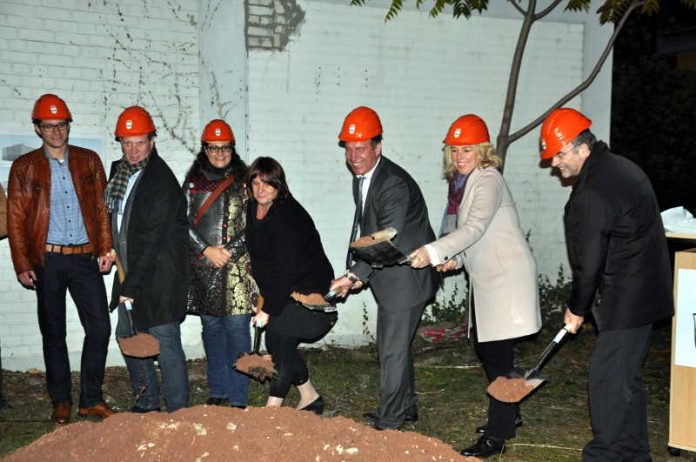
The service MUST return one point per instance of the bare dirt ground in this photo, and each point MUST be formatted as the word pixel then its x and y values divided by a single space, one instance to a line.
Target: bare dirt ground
pixel 452 402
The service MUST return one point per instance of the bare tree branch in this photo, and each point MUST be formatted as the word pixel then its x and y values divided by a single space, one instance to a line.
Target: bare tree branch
pixel 517 7
pixel 547 10
pixel 515 67
pixel 586 83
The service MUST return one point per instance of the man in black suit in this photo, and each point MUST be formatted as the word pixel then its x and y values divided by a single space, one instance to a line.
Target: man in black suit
pixel 621 276
pixel 150 234
pixel 387 196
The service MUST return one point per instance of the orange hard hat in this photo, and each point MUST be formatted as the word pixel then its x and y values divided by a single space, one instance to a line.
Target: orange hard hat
pixel 466 130
pixel 134 121
pixel 362 123
pixel 50 106
pixel 561 127
pixel 217 130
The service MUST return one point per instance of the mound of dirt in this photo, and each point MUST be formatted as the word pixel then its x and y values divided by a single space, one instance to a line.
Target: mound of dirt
pixel 210 433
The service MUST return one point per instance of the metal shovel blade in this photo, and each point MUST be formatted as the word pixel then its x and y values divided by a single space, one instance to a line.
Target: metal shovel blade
pixel 516 386
pixel 317 302
pixel 137 344
pixel 254 365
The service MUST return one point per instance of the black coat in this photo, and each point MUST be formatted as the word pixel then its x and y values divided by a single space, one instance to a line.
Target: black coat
pixel 157 247
pixel 616 245
pixel 394 199
pixel 286 254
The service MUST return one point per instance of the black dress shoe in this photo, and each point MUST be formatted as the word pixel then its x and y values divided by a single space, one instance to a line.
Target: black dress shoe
pixel 217 402
pixel 371 416
pixel 316 406
pixel 518 423
pixel 484 447
pixel 142 410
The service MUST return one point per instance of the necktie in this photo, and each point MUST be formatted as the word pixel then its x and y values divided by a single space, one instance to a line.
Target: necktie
pixel 356 221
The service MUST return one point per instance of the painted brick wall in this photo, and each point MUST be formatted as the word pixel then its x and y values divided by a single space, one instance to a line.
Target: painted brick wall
pixel 419 74
pixel 285 86
pixel 100 57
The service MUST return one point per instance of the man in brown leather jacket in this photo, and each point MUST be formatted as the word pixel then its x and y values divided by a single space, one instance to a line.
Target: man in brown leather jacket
pixel 59 239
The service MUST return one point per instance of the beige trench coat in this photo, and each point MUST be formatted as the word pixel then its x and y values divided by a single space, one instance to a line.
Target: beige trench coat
pixel 489 242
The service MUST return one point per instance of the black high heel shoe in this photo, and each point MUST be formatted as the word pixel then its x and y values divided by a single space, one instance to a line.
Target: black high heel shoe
pixel 316 406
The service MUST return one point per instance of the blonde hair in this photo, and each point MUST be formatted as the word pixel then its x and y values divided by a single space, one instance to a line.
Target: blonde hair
pixel 484 151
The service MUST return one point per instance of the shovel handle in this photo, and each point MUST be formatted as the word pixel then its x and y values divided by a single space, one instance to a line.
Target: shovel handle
pixel 257 339
pixel 547 351
pixel 129 317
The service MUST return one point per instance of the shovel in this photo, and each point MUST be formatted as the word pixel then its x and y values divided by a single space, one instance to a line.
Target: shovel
pixel 515 387
pixel 137 345
pixel 254 365
pixel 378 250
pixel 317 302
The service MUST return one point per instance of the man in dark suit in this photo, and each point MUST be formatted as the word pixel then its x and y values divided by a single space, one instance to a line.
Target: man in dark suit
pixel 150 234
pixel 387 196
pixel 621 276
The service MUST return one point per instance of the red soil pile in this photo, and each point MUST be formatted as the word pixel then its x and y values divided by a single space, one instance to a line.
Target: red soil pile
pixel 210 434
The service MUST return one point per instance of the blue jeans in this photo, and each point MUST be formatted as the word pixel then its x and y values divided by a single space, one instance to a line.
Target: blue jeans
pixel 173 367
pixel 224 339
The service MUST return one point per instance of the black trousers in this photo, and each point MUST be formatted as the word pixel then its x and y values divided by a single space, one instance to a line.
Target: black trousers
pixel 498 358
pixel 285 332
pixel 618 404
pixel 80 275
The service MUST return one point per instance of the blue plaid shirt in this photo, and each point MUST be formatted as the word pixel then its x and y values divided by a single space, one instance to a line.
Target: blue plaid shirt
pixel 65 225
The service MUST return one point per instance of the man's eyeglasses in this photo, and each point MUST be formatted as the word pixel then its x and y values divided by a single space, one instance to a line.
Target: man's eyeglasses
pixel 217 149
pixel 62 126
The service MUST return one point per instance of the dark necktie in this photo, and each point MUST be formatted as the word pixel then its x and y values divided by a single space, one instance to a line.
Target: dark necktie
pixel 356 221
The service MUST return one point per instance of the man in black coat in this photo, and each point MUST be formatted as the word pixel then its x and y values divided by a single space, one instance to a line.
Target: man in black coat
pixel 387 196
pixel 150 234
pixel 621 276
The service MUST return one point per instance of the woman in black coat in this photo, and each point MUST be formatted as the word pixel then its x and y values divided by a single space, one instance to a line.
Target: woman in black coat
pixel 286 256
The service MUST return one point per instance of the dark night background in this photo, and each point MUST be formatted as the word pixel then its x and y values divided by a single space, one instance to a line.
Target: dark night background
pixel 654 100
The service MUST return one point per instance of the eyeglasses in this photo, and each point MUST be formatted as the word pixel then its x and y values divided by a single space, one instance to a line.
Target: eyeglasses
pixel 217 149
pixel 62 126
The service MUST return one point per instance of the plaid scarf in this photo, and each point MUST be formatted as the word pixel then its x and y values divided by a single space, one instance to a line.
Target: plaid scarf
pixel 116 188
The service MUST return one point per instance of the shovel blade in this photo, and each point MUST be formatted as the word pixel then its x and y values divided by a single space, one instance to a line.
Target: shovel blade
pixel 139 345
pixel 256 366
pixel 513 390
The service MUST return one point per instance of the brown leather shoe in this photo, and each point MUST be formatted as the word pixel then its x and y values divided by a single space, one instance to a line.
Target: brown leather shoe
pixel 61 412
pixel 100 410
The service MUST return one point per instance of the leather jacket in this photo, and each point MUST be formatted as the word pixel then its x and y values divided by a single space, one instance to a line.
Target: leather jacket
pixel 29 201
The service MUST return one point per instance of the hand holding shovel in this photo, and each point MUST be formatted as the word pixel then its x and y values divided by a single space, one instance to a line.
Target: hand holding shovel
pixel 516 386
pixel 254 365
pixel 137 345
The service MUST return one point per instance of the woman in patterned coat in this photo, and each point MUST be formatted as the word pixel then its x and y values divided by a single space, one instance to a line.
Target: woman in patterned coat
pixel 221 288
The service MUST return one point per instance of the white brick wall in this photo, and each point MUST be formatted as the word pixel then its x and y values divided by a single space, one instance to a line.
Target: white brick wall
pixel 100 57
pixel 418 73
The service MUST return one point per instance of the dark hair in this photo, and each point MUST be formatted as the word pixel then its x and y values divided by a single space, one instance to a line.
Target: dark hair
pixel 585 137
pixel 237 168
pixel 271 172
pixel 375 141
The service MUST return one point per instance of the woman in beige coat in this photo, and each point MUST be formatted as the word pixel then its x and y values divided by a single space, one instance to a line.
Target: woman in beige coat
pixel 488 241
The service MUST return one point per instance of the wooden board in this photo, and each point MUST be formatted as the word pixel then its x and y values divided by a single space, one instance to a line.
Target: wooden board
pixel 682 402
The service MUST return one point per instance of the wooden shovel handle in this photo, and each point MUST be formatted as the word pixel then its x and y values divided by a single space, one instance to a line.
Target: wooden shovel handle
pixel 119 269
